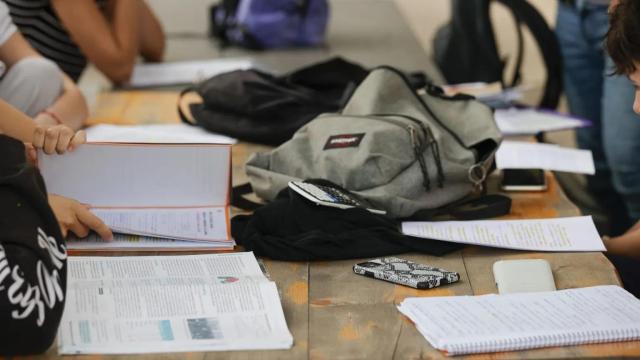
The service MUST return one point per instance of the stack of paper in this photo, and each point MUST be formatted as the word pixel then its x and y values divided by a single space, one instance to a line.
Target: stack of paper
pixel 560 234
pixel 491 94
pixel 491 323
pixel 525 155
pixel 184 72
pixel 155 133
pixel 530 121
pixel 133 305
pixel 169 191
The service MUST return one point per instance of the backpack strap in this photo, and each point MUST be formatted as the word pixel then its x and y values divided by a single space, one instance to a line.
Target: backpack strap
pixel 525 13
pixel 483 207
pixel 219 27
pixel 238 200
pixel 183 117
pixel 517 73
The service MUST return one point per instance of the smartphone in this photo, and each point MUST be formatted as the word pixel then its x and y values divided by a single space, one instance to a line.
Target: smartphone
pixel 518 276
pixel 406 272
pixel 523 180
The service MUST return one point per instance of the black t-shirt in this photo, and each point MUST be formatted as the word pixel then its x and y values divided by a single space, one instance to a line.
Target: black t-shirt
pixel 33 255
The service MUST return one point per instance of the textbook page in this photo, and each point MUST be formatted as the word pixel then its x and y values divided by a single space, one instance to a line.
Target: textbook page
pixel 155 133
pixel 525 155
pixel 558 234
pixel 127 242
pixel 490 323
pixel 141 175
pixel 531 121
pixel 184 72
pixel 204 224
pixel 129 305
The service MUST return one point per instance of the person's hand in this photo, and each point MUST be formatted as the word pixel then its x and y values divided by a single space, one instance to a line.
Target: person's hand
pixel 627 244
pixel 613 4
pixel 76 217
pixel 57 138
pixel 45 119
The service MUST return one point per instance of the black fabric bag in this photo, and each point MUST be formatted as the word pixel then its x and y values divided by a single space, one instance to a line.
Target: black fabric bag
pixel 466 51
pixel 33 271
pixel 293 228
pixel 258 107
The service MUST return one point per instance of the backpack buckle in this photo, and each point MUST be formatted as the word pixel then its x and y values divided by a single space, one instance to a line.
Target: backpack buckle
pixel 477 176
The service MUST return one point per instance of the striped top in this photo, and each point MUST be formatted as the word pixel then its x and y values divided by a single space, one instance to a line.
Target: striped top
pixel 40 25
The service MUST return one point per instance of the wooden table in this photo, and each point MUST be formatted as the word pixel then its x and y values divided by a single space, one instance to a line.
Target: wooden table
pixel 335 314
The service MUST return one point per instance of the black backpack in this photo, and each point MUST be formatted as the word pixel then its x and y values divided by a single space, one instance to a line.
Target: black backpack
pixel 259 107
pixel 466 51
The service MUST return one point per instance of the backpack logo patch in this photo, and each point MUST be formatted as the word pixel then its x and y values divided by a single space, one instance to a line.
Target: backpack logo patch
pixel 343 141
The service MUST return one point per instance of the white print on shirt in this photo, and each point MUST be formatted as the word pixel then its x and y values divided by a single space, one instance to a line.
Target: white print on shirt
pixel 48 290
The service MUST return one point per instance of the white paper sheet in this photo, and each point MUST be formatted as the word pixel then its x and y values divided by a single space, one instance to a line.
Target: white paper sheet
pixel 126 242
pixel 128 305
pixel 490 323
pixel 530 122
pixel 558 234
pixel 205 224
pixel 524 155
pixel 185 72
pixel 156 133
pixel 141 175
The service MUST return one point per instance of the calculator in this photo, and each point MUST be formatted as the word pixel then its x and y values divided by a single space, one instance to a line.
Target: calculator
pixel 330 196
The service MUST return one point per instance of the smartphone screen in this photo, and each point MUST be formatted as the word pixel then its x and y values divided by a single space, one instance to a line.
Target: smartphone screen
pixel 523 180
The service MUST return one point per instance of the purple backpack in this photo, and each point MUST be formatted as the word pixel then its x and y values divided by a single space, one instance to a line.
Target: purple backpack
pixel 265 24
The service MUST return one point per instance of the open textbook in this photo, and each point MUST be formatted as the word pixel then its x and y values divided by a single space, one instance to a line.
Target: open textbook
pixel 172 191
pixel 491 323
pixel 155 304
pixel 129 242
pixel 558 234
pixel 184 72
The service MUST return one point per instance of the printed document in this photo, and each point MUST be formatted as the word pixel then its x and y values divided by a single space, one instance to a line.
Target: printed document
pixel 205 224
pixel 156 304
pixel 531 121
pixel 558 234
pixel 490 323
pixel 524 155
pixel 184 72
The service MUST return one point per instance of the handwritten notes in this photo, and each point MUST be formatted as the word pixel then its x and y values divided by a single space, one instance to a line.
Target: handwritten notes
pixel 560 234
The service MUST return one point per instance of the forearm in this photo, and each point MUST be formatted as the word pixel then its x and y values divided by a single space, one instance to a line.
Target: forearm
pixel 626 245
pixel 70 108
pixel 109 38
pixel 15 124
pixel 124 26
pixel 152 40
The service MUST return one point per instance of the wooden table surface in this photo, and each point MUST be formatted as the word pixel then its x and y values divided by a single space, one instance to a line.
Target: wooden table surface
pixel 335 314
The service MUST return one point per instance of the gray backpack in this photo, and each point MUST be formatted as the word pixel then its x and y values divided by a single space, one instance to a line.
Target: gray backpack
pixel 401 151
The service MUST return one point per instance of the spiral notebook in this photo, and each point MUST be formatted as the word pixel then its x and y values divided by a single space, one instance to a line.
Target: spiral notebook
pixel 490 323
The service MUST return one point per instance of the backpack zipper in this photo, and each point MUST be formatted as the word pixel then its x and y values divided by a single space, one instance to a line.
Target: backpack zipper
pixel 431 142
pixel 424 104
pixel 416 144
